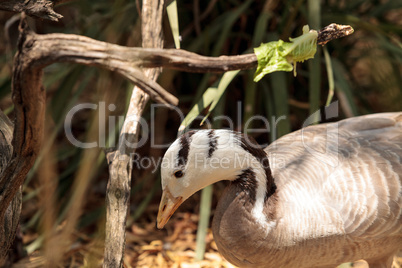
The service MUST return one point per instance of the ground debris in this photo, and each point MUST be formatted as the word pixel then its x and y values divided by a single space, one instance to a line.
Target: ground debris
pixel 174 247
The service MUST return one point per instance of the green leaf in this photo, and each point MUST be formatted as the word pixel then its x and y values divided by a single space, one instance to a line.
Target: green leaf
pixel 205 212
pixel 174 22
pixel 330 73
pixel 280 55
pixel 269 60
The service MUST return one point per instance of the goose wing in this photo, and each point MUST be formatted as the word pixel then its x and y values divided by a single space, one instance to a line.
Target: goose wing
pixel 342 177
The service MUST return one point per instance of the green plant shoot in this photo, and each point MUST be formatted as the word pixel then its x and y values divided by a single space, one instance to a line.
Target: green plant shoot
pixel 283 56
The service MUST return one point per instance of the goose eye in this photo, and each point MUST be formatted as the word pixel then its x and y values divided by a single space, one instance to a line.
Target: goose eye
pixel 178 174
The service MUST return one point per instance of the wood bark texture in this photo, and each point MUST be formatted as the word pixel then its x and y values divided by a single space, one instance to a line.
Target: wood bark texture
pixel 120 166
pixel 40 8
pixel 332 32
pixel 50 48
pixel 8 226
pixel 29 107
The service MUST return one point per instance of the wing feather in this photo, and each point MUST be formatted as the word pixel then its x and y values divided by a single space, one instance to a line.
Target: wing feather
pixel 345 175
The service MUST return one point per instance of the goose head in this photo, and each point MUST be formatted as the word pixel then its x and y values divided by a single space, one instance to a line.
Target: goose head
pixel 198 159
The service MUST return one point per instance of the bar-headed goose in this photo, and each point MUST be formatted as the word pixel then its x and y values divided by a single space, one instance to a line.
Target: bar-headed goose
pixel 317 197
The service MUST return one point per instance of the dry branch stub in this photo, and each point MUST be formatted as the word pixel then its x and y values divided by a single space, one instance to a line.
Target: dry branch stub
pixel 332 32
pixel 37 8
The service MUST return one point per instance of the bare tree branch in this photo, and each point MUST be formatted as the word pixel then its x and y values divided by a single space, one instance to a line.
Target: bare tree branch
pixel 43 50
pixel 37 8
pixel 129 61
pixel 50 48
pixel 29 106
pixel 120 166
pixel 80 49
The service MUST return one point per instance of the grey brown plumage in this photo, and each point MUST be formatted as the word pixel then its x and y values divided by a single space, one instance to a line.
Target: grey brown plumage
pixel 337 198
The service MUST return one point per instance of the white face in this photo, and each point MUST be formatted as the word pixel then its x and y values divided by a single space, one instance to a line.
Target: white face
pixel 200 169
pixel 191 164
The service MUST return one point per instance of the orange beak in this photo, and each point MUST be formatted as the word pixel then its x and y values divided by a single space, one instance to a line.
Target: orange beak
pixel 167 207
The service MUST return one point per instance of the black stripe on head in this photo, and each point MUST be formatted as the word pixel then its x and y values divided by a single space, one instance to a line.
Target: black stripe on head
pixel 213 140
pixel 247 181
pixel 250 145
pixel 182 155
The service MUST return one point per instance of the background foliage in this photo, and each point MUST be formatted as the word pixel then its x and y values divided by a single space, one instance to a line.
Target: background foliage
pixel 367 79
